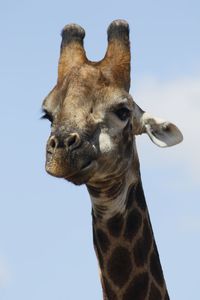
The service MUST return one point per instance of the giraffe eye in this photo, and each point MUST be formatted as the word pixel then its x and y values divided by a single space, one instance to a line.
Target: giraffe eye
pixel 123 113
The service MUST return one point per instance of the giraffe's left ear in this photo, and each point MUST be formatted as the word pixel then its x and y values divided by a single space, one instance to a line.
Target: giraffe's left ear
pixel 161 132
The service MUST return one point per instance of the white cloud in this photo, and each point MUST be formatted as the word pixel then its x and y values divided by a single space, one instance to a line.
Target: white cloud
pixel 5 274
pixel 179 102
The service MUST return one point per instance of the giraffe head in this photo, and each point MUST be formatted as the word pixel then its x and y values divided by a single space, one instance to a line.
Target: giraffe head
pixel 94 119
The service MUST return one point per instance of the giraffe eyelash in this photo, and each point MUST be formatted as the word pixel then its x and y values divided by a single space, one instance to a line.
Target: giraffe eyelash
pixel 47 115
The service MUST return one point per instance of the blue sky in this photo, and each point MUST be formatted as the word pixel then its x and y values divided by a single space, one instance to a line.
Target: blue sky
pixel 46 247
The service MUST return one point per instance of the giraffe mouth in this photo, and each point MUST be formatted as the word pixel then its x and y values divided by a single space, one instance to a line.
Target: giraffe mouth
pixel 87 165
pixel 57 167
pixel 83 175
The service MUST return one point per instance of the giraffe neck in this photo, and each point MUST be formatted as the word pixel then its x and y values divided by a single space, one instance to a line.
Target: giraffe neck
pixel 124 243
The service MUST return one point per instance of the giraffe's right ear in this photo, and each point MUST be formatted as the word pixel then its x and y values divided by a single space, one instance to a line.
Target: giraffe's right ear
pixel 161 132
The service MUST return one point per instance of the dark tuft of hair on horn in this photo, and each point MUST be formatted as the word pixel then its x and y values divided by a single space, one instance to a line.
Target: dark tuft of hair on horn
pixel 72 32
pixel 118 29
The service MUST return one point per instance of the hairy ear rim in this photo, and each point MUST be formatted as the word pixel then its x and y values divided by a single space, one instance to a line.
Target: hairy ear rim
pixel 162 133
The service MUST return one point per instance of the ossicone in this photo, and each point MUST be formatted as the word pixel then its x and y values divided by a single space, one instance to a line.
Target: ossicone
pixel 72 51
pixel 117 59
pixel 116 64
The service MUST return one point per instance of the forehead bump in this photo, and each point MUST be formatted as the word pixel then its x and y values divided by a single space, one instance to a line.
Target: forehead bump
pixel 72 53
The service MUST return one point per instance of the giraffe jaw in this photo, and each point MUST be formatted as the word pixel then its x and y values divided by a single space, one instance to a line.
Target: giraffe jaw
pixel 84 174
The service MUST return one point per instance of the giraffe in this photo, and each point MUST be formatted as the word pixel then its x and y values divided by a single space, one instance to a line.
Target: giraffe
pixel 94 124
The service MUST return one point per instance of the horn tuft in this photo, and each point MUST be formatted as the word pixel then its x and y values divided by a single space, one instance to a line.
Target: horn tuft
pixel 72 32
pixel 118 29
pixel 72 53
pixel 116 63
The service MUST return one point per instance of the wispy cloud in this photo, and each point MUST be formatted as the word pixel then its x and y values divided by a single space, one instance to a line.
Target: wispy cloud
pixel 177 101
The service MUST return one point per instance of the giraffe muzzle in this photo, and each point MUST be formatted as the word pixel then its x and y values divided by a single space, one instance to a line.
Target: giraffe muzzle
pixel 71 158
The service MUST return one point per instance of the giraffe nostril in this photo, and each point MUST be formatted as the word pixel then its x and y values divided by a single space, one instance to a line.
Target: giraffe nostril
pixel 73 141
pixel 53 142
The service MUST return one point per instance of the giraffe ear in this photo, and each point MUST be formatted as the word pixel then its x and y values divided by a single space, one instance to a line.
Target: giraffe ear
pixel 161 132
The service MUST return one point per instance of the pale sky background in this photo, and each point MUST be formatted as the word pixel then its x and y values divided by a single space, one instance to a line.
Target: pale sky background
pixel 46 249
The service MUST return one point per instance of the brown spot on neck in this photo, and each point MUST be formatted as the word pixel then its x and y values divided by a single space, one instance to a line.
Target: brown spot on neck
pixel 133 224
pixel 138 288
pixel 142 246
pixel 115 224
pixel 119 266
pixel 102 240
